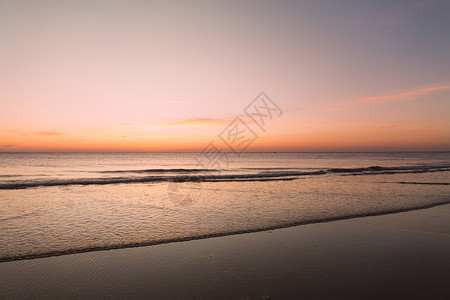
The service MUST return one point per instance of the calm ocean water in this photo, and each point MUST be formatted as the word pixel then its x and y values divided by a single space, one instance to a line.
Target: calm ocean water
pixel 56 203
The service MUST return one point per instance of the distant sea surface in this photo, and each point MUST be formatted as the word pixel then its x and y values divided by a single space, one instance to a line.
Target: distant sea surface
pixel 60 203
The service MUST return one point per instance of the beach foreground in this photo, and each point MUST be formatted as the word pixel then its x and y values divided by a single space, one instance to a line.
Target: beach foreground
pixel 403 255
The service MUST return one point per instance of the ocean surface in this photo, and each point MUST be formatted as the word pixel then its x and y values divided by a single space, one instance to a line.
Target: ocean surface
pixel 60 203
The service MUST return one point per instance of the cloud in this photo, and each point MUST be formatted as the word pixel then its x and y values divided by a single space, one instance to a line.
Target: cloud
pixel 384 127
pixel 394 97
pixel 9 146
pixel 201 122
pixel 382 99
pixel 48 133
pixel 42 133
pixel 402 127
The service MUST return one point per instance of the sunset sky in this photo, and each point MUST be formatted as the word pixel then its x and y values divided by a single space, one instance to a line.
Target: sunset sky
pixel 353 75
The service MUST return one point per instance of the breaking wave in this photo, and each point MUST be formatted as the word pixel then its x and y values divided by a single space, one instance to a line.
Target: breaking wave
pixel 214 175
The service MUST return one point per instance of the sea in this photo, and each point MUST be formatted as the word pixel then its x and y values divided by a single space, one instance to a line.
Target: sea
pixel 62 203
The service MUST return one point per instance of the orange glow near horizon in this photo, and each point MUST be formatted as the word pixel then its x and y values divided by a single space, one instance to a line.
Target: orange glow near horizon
pixel 282 135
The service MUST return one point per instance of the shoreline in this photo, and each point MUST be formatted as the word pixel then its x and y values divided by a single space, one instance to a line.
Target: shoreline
pixel 399 255
pixel 214 235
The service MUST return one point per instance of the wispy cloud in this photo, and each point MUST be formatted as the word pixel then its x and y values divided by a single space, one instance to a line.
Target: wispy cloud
pixel 200 122
pixel 408 95
pixel 41 133
pixel 384 127
pixel 394 97
pixel 401 127
pixel 48 133
pixel 8 146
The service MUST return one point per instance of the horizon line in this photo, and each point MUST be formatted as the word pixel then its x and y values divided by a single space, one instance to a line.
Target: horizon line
pixel 237 154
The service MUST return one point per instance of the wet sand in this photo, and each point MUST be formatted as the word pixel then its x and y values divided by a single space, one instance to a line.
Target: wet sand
pixel 397 256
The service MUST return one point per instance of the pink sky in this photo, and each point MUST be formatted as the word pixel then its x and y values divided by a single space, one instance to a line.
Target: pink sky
pixel 141 76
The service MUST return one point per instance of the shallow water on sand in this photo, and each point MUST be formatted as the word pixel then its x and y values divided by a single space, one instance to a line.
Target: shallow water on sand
pixel 55 203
